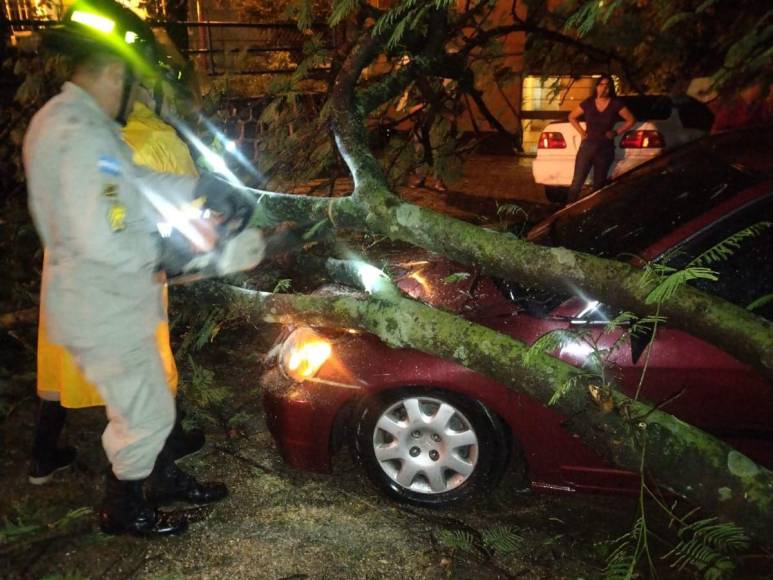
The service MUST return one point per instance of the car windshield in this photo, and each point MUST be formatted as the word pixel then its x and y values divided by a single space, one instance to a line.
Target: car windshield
pixel 649 202
pixel 654 199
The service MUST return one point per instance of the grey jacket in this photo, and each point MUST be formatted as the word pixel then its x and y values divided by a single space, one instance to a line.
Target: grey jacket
pixel 96 213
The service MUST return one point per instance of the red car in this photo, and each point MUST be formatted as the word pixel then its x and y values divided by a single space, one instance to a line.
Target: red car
pixel 430 431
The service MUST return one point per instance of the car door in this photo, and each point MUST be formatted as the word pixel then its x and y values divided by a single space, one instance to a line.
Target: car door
pixel 685 375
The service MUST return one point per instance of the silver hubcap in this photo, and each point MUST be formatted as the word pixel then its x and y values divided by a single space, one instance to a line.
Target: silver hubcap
pixel 425 445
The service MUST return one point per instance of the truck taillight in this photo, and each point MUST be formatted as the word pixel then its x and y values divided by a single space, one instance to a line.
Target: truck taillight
pixel 645 139
pixel 551 140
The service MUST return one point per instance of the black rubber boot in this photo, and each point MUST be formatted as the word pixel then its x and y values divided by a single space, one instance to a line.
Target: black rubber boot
pixel 180 442
pixel 124 510
pixel 47 456
pixel 168 483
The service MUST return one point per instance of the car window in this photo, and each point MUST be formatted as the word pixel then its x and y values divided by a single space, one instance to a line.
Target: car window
pixel 651 201
pixel 694 114
pixel 744 269
pixel 649 107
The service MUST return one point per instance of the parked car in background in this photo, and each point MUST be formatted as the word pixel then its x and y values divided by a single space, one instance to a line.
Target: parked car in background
pixel 430 432
pixel 663 123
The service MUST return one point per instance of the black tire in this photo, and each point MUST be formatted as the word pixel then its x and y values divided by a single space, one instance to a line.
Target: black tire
pixel 556 194
pixel 489 455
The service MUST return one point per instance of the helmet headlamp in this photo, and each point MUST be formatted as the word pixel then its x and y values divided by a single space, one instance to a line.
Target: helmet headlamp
pixel 92 20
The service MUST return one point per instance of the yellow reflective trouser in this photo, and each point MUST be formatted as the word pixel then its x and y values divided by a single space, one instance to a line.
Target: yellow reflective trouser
pixel 60 379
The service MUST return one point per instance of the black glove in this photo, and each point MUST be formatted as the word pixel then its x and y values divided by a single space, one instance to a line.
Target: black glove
pixel 234 204
pixel 174 253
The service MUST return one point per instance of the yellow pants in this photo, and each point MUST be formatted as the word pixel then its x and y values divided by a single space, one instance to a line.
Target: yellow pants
pixel 60 379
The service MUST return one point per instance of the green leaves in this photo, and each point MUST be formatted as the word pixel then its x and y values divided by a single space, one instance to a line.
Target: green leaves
pixel 31 522
pixel 502 539
pixel 674 281
pixel 759 302
pixel 628 550
pixel 497 539
pixel 341 10
pixel 300 11
pixel 461 540
pixel 549 342
pixel 406 17
pixel 727 247
pixel 668 280
pixel 707 545
pixel 282 286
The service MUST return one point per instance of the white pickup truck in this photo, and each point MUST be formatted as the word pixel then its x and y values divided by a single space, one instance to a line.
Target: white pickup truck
pixel 662 122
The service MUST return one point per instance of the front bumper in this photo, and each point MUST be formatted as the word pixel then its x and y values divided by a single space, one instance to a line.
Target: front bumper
pixel 301 418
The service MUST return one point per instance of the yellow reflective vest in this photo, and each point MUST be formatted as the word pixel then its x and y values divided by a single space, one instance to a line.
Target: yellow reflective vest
pixel 157 146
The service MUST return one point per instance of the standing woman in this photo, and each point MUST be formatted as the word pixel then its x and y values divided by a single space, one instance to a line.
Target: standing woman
pixel 597 150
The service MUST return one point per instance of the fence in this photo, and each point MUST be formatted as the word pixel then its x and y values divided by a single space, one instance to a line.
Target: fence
pixel 234 48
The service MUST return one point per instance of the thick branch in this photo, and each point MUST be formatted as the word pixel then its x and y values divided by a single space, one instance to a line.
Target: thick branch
pixel 275 208
pixel 744 335
pixel 347 117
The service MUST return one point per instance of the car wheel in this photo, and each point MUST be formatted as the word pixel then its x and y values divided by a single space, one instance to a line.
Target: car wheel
pixel 430 448
pixel 556 194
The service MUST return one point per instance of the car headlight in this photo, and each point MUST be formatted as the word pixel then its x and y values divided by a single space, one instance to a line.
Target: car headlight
pixel 303 353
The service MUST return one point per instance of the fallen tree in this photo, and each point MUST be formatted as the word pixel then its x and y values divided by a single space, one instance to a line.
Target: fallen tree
pixel 679 457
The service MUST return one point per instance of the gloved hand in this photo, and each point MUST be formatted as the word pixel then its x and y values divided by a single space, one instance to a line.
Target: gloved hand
pixel 240 253
pixel 235 205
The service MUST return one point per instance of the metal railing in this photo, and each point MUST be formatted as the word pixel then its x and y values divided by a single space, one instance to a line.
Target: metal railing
pixel 225 47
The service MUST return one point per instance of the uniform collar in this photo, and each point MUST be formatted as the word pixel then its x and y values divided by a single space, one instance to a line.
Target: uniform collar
pixel 74 93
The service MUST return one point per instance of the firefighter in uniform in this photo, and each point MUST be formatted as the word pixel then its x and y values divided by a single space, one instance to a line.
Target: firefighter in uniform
pixel 60 384
pixel 97 214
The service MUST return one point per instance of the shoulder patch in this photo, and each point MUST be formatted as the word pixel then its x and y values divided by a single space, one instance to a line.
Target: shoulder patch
pixel 116 217
pixel 109 164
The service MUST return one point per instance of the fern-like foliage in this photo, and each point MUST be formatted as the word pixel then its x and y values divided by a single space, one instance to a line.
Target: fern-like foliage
pixel 502 539
pixel 759 302
pixel 206 400
pixel 550 342
pixel 584 19
pixel 626 553
pixel 674 281
pixel 405 17
pixel 282 286
pixel 727 247
pixel 26 525
pixel 341 10
pixel 708 545
pixel 461 540
pixel 300 11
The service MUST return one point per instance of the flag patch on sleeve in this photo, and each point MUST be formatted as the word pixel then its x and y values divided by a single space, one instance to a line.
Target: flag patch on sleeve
pixel 109 165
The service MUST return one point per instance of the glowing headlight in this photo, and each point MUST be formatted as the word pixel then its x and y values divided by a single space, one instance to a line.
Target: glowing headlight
pixel 303 353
